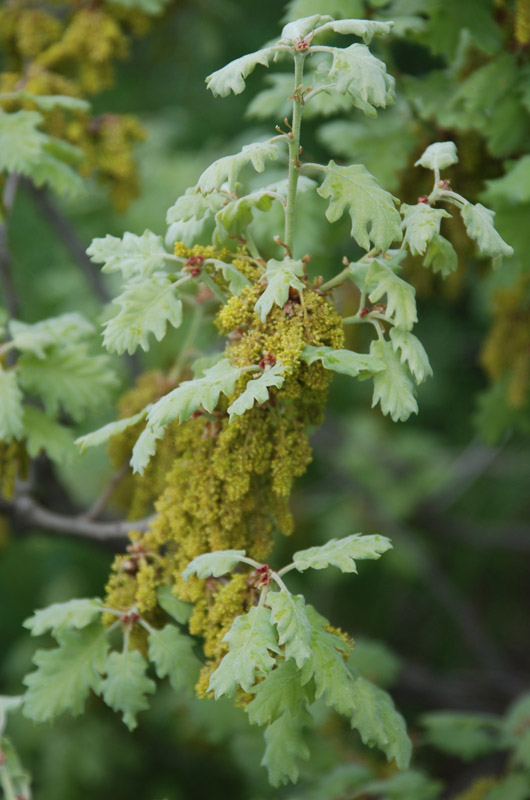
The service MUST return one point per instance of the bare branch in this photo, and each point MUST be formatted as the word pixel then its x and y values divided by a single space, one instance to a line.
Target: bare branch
pixel 103 500
pixel 26 511
pixel 70 239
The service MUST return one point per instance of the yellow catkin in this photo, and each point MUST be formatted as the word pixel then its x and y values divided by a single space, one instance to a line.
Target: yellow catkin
pixel 229 482
pixel 71 50
pixel 506 350
pixel 522 22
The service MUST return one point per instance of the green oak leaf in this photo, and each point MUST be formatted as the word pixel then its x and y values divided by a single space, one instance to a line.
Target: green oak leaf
pixel 441 256
pixel 281 692
pixel 373 213
pixel 180 403
pixel 294 630
pixel 171 651
pixel 231 78
pixel 378 722
pixel 365 29
pixel 285 746
pixel 228 168
pixel 36 338
pixel 46 435
pixel 462 734
pixel 235 279
pixel 393 388
pixel 421 222
pixel 327 667
pixel 344 361
pixel 178 609
pixel 234 217
pixel 105 433
pixel 358 73
pixel 438 156
pixel 412 353
pixel 298 29
pixel 126 685
pixel 251 639
pixel 134 256
pixel 279 276
pixel 76 613
pixel 479 224
pixel 65 676
pixel 342 553
pixel 213 564
pixel 70 377
pixel 257 390
pixel 146 305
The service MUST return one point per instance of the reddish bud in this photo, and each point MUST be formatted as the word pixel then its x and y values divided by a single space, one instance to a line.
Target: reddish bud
pixel 268 360
pixel 364 312
pixel 443 184
pixel 423 199
pixel 380 308
pixel 124 619
pixel 129 566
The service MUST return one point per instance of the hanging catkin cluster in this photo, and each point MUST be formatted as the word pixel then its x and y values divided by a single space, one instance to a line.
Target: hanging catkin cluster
pixel 229 483
pixel 69 48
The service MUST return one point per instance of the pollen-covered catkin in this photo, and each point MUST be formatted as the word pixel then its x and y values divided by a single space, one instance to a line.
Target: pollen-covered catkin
pixel 229 481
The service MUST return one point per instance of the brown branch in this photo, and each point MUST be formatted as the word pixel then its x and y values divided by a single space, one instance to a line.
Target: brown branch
pixel 24 510
pixel 103 500
pixel 70 239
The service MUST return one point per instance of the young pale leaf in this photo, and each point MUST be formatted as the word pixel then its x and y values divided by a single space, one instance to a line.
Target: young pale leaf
pixel 421 222
pixel 438 156
pixel 21 143
pixel 257 390
pixel 58 617
pixel 126 685
pixel 338 9
pixel 193 205
pixel 280 277
pixel 412 353
pixel 178 609
pixel 108 431
pixel 344 361
pixel 294 630
pixel 281 692
pixel 235 279
pixel 479 224
pixel 69 378
pixel 355 71
pixel 251 637
pixel 393 388
pixel 342 553
pixel 65 675
pixel 285 746
pixel 133 256
pixel 441 256
pixel 172 654
pixel 213 564
pixel 36 338
pixel 400 295
pixel 231 78
pixel 233 219
pixel 378 722
pixel 146 306
pixel 300 28
pixel 372 209
pixel 229 167
pixel 181 403
pixel 327 666
pixel 364 28
pixel 12 416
